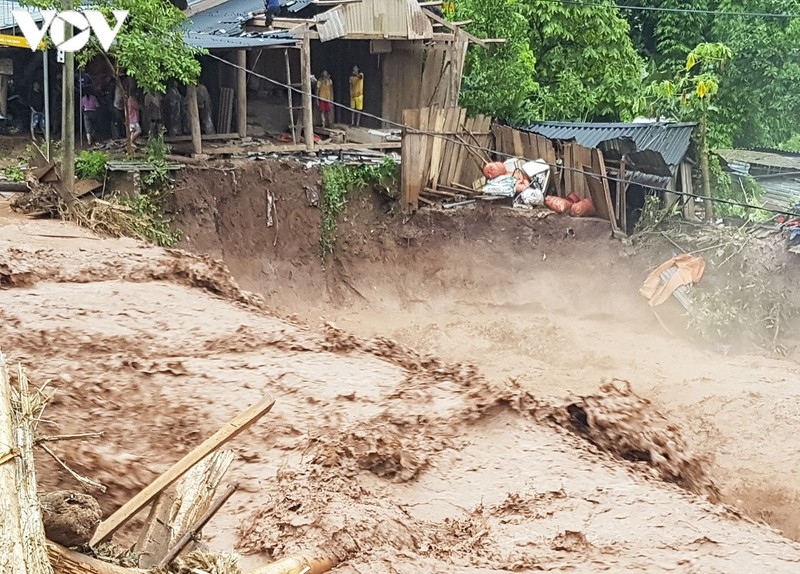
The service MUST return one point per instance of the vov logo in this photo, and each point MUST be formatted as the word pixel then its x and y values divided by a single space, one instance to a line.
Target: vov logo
pixel 83 23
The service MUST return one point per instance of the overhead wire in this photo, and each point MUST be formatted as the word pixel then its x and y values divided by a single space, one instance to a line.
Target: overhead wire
pixel 677 10
pixel 496 153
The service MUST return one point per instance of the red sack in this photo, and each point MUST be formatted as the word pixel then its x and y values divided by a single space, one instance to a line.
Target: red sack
pixel 584 208
pixel 494 169
pixel 557 204
pixel 573 197
pixel 522 185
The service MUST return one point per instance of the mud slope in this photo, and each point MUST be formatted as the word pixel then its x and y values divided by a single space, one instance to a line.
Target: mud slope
pixel 553 304
pixel 392 460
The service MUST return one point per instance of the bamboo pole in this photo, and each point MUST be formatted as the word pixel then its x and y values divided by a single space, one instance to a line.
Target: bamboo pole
pixel 22 540
pixel 298 564
pixel 69 562
pixel 308 109
pixel 241 93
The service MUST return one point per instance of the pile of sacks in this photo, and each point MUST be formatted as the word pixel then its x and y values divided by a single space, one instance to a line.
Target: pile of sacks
pixel 525 181
pixel 571 204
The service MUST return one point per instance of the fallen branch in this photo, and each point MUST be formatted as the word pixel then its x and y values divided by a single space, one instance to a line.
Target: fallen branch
pixel 82 479
pixel 57 438
pixel 66 561
pixel 295 564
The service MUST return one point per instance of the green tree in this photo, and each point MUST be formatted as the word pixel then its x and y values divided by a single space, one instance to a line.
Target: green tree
pixel 498 80
pixel 149 47
pixel 586 65
pixel 560 61
pixel 689 96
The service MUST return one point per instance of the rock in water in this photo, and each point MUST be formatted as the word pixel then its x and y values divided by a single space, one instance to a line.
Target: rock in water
pixel 70 518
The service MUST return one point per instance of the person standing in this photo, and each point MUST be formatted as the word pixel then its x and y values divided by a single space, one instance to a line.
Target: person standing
pixel 272 9
pixel 152 111
pixel 325 95
pixel 36 104
pixel 356 96
pixel 118 126
pixel 133 119
pixel 172 110
pixel 89 107
pixel 204 109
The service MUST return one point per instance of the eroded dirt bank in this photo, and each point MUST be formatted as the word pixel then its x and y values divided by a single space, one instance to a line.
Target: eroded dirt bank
pixel 552 304
pixel 394 461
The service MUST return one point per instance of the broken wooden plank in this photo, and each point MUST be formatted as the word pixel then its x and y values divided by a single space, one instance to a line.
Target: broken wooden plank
pixel 195 529
pixel 235 427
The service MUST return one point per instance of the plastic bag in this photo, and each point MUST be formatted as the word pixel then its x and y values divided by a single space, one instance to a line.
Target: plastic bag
pixel 558 204
pixel 531 197
pixel 503 185
pixel 584 208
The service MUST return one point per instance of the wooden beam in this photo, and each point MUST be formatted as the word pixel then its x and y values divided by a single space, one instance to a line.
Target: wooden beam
pixel 205 138
pixel 241 92
pixel 194 120
pixel 202 6
pixel 308 106
pixel 289 93
pixel 235 427
pixel 446 24
pixel 291 148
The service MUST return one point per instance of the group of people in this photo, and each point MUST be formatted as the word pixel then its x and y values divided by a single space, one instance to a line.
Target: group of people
pixel 120 108
pixel 326 101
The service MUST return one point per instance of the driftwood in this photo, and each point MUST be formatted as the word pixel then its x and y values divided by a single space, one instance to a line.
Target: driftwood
pixel 23 547
pixel 172 515
pixel 194 531
pixel 211 444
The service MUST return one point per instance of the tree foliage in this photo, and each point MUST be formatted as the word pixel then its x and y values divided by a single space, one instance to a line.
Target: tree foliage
pixel 560 61
pixel 149 47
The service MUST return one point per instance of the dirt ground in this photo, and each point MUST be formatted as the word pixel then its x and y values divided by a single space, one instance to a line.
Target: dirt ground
pixel 392 459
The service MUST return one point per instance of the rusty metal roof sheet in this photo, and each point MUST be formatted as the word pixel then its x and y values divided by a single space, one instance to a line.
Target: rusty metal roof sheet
pixel 781 160
pixel 671 140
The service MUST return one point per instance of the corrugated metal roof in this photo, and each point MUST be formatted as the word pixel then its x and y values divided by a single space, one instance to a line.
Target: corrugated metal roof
pixel 219 42
pixel 671 140
pixel 765 158
pixel 330 25
pixel 222 27
pixel 781 193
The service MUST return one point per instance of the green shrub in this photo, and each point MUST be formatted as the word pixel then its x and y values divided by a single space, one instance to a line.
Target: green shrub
pixel 91 165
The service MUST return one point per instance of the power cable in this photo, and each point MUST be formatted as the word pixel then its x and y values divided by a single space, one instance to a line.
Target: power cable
pixel 501 154
pixel 676 10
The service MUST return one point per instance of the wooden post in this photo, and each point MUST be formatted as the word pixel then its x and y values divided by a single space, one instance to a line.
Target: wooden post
pixel 194 121
pixel 241 93
pixel 308 109
pixel 291 99
pixel 68 121
pixel 6 72
pixel 23 547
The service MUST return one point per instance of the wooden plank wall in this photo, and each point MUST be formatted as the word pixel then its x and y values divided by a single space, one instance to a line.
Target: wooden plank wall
pixel 574 158
pixel 443 161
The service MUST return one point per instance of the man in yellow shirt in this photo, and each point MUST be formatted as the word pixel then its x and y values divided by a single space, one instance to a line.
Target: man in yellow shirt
pixel 356 95
pixel 325 95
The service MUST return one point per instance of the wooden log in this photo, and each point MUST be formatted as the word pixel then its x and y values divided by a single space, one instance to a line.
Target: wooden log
pixel 235 427
pixel 194 120
pixel 241 93
pixel 13 186
pixel 23 546
pixel 295 564
pixel 66 561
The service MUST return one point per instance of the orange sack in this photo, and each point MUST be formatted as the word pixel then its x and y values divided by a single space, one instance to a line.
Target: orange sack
pixel 573 197
pixel 584 208
pixel 494 169
pixel 557 204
